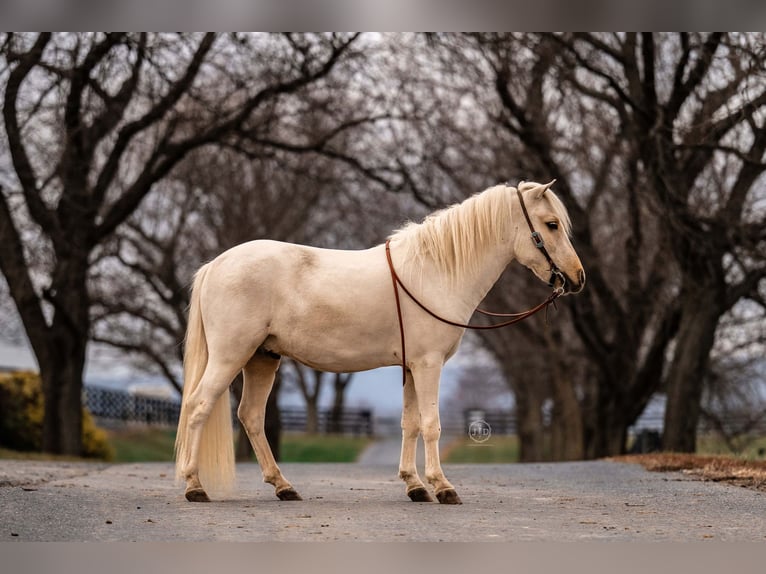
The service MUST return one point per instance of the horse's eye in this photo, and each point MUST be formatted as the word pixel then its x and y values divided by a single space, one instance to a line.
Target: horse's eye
pixel 553 225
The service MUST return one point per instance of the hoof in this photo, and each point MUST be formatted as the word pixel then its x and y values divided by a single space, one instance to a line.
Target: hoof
pixel 448 496
pixel 197 495
pixel 419 494
pixel 288 494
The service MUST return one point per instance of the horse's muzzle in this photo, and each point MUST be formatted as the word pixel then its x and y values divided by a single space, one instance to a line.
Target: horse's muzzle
pixel 576 286
pixel 559 279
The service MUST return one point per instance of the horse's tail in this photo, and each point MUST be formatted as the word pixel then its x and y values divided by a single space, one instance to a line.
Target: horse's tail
pixel 216 449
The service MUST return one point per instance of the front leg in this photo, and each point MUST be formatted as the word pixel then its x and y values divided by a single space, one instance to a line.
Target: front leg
pixel 426 374
pixel 408 471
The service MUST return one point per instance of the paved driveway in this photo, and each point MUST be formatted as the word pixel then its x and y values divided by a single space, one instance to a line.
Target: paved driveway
pixel 516 502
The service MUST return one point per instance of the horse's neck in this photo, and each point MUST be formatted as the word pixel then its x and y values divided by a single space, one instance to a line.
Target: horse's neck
pixel 475 286
pixel 463 294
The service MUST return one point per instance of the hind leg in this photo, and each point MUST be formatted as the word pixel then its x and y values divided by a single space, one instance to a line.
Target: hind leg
pixel 213 385
pixel 259 379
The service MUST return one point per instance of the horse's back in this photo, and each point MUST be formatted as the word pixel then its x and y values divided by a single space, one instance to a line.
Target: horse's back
pixel 299 265
pixel 302 301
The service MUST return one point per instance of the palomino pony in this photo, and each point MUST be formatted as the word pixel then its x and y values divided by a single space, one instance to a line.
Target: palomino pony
pixel 338 311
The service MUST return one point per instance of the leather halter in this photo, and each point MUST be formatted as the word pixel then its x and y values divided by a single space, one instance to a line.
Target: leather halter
pixel 537 239
pixel 514 317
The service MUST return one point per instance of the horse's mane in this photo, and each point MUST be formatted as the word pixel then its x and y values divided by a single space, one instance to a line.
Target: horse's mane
pixel 455 237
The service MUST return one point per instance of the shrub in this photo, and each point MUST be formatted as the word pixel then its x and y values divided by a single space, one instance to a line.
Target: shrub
pixel 21 417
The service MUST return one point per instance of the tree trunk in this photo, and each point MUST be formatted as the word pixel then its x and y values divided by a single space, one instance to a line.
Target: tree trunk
pixel 311 393
pixel 530 428
pixel 340 383
pixel 606 423
pixel 312 415
pixel 61 367
pixel 699 317
pixel 607 438
pixel 61 378
pixel 336 414
pixel 567 441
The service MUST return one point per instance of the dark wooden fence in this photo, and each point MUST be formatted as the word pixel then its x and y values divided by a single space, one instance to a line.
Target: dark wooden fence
pixel 116 405
pixel 352 421
pixel 504 422
pixel 112 405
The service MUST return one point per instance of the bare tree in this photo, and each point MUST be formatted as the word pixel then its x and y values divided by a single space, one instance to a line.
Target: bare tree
pixel 588 109
pixel 521 122
pixel 214 201
pixel 310 383
pixel 340 383
pixel 734 394
pixel 693 104
pixel 93 123
pixel 322 185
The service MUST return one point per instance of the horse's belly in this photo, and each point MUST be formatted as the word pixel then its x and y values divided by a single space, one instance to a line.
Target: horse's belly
pixel 327 353
pixel 336 345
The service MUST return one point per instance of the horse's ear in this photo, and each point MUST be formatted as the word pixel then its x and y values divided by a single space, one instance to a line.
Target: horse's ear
pixel 544 188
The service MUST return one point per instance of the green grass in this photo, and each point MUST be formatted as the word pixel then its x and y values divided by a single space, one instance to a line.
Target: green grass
pixel 298 447
pixel 498 449
pixel 143 445
pixel 148 445
pixel 156 445
pixel 710 444
pixel 504 449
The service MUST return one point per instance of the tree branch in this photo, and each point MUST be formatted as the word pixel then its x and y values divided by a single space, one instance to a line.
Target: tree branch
pixel 79 80
pixel 171 153
pixel 683 89
pixel 15 269
pixel 700 157
pixel 145 350
pixel 158 111
pixel 607 77
pixel 21 163
pixel 116 105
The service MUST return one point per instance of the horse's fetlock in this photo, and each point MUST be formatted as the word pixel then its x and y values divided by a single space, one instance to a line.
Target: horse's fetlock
pixel 274 478
pixel 438 479
pixel 405 474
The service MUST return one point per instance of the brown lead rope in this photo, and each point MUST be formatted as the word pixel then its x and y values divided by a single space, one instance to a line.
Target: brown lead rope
pixel 397 282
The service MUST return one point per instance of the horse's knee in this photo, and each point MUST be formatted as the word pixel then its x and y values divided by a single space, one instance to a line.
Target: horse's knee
pixel 410 431
pixel 431 430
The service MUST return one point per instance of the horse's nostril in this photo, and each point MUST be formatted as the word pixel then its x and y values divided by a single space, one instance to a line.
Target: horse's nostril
pixel 581 277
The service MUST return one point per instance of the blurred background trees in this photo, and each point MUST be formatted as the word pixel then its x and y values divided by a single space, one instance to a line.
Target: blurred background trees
pixel 128 160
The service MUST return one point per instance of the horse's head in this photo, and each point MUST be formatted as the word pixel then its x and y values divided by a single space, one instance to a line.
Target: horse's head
pixel 549 252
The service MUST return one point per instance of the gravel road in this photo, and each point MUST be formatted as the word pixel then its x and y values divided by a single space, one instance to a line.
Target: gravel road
pixel 512 502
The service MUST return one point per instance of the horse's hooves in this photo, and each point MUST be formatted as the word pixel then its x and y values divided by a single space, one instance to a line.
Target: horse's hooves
pixel 197 495
pixel 448 496
pixel 288 494
pixel 419 494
